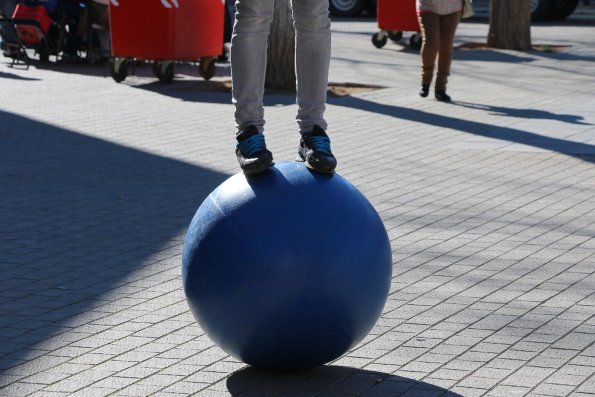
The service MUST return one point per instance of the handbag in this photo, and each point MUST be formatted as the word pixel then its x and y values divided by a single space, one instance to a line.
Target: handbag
pixel 467 9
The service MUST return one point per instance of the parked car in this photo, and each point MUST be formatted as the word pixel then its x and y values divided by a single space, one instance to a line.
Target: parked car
pixel 552 9
pixel 352 8
pixel 540 9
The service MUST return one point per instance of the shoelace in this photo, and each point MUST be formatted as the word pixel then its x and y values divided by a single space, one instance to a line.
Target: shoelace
pixel 252 145
pixel 321 144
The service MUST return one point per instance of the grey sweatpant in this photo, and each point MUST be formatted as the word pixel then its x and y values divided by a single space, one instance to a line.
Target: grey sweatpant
pixel 249 60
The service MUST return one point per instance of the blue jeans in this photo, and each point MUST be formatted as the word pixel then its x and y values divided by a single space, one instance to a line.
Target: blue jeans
pixel 249 60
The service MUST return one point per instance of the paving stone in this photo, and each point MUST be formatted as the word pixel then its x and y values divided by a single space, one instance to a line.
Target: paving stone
pixel 528 376
pixel 550 389
pixel 504 391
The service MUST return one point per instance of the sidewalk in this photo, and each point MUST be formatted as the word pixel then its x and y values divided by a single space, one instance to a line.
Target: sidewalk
pixel 489 203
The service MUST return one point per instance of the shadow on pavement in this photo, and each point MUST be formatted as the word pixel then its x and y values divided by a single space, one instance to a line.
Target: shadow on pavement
pixel 583 151
pixel 562 56
pixel 524 113
pixel 74 67
pixel 4 75
pixel 191 90
pixel 140 68
pixel 465 52
pixel 78 215
pixel 211 92
pixel 461 54
pixel 329 381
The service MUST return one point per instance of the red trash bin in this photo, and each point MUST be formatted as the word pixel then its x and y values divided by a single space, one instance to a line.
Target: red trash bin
pixel 166 31
pixel 394 18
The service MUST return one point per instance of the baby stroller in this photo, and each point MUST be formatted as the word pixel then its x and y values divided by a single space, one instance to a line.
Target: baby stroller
pixel 37 24
pixel 11 45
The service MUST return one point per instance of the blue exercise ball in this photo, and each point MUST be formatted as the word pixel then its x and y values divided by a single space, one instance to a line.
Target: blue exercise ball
pixel 287 269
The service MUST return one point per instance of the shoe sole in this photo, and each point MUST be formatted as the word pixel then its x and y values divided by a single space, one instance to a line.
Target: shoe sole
pixel 301 159
pixel 257 170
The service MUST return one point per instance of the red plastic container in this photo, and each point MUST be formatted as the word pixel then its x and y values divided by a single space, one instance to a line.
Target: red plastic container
pixel 180 30
pixel 397 15
pixel 31 34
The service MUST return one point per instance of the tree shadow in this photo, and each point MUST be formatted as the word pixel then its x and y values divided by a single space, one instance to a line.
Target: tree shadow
pixel 524 113
pixel 78 215
pixel 219 91
pixel 479 51
pixel 489 55
pixel 583 151
pixel 329 380
pixel 561 55
pixel 212 91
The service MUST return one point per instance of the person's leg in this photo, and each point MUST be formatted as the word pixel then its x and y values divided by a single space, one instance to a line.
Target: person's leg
pixel 448 27
pixel 248 69
pixel 312 59
pixel 430 29
pixel 249 59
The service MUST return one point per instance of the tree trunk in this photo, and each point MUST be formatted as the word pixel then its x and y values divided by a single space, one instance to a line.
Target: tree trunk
pixel 510 24
pixel 281 52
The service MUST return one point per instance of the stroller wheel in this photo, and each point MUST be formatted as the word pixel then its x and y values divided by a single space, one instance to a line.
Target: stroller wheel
pixel 118 69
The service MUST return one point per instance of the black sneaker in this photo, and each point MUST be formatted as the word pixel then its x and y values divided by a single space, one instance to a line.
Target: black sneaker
pixel 315 151
pixel 252 152
pixel 424 90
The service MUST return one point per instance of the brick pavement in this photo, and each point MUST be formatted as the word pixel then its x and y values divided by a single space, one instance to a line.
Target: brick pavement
pixel 488 202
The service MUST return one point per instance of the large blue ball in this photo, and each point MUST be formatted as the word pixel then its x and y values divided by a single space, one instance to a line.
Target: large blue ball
pixel 287 269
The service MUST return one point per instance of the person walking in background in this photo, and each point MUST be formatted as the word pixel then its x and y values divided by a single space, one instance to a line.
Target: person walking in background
pixel 438 20
pixel 248 69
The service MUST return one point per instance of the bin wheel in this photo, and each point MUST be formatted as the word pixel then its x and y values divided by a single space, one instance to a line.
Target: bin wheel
pixel 378 40
pixel 415 41
pixel 395 36
pixel 164 71
pixel 118 69
pixel 207 68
